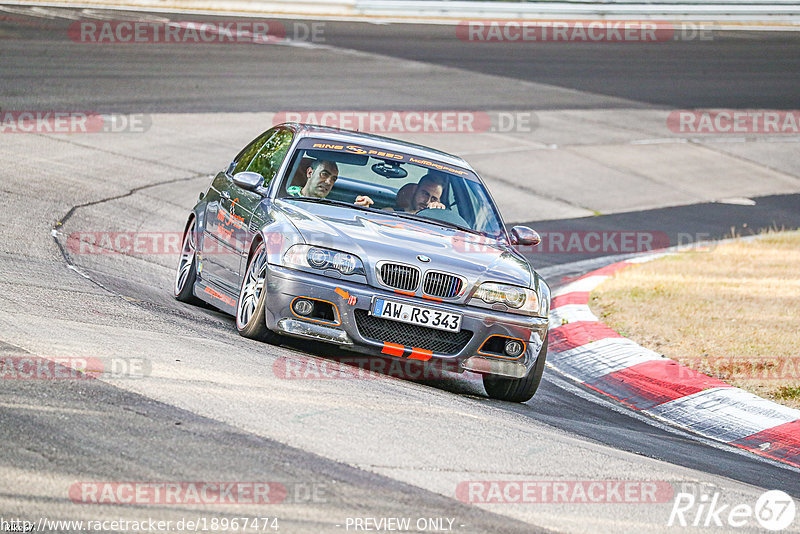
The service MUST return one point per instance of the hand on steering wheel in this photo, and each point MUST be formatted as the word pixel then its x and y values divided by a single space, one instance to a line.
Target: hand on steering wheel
pixel 364 200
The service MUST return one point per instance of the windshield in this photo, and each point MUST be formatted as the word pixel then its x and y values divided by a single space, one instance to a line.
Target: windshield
pixel 392 182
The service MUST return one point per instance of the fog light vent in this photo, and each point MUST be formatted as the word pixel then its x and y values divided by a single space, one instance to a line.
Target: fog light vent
pixel 317 310
pixel 502 347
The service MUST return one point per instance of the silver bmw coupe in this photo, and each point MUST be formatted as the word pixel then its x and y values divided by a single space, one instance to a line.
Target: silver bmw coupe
pixel 375 245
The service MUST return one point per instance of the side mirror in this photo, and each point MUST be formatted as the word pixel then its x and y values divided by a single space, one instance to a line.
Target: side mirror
pixel 250 181
pixel 522 235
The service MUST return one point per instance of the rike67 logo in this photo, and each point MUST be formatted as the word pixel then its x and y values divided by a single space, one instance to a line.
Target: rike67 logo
pixel 774 510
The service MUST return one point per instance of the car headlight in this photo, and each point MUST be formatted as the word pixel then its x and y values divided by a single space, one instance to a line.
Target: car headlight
pixel 517 299
pixel 323 259
pixel 544 298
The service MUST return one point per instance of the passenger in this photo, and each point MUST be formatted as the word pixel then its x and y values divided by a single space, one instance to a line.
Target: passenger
pixel 321 175
pixel 405 194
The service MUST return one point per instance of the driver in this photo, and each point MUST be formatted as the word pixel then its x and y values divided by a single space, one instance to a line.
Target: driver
pixel 320 177
pixel 427 194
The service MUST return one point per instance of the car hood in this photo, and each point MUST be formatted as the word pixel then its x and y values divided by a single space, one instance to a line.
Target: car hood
pixel 377 237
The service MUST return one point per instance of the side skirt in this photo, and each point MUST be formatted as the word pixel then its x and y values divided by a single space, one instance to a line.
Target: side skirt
pixel 215 296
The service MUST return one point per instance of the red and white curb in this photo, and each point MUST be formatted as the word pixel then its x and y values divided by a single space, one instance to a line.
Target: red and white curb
pixel 593 354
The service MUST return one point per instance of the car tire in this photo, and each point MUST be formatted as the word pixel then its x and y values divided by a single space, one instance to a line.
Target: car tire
pixel 183 289
pixel 517 389
pixel 250 317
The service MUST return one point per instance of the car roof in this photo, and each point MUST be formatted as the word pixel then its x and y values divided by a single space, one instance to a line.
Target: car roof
pixel 375 141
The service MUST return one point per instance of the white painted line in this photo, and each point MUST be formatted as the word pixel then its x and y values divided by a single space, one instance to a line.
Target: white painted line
pixel 565 381
pixel 726 413
pixel 649 257
pixel 738 201
pixel 570 313
pixel 662 141
pixel 582 285
pixel 597 359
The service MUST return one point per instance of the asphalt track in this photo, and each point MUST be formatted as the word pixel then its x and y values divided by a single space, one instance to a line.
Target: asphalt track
pixel 732 70
pixel 212 410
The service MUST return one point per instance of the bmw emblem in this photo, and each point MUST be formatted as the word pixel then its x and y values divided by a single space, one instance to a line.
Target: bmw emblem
pixel 423 259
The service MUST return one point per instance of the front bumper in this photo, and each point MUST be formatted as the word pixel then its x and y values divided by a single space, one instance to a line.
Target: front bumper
pixel 284 285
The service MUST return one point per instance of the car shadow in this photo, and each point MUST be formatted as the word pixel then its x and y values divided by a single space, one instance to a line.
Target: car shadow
pixel 345 364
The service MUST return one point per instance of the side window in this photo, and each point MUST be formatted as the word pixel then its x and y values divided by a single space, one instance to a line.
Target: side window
pixel 246 155
pixel 269 159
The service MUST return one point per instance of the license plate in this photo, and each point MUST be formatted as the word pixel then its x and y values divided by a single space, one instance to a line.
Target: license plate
pixel 408 313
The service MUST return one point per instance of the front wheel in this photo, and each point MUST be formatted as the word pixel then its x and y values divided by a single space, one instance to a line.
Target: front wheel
pixel 250 318
pixel 517 389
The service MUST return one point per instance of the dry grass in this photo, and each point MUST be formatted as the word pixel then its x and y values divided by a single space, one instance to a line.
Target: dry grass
pixel 732 312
